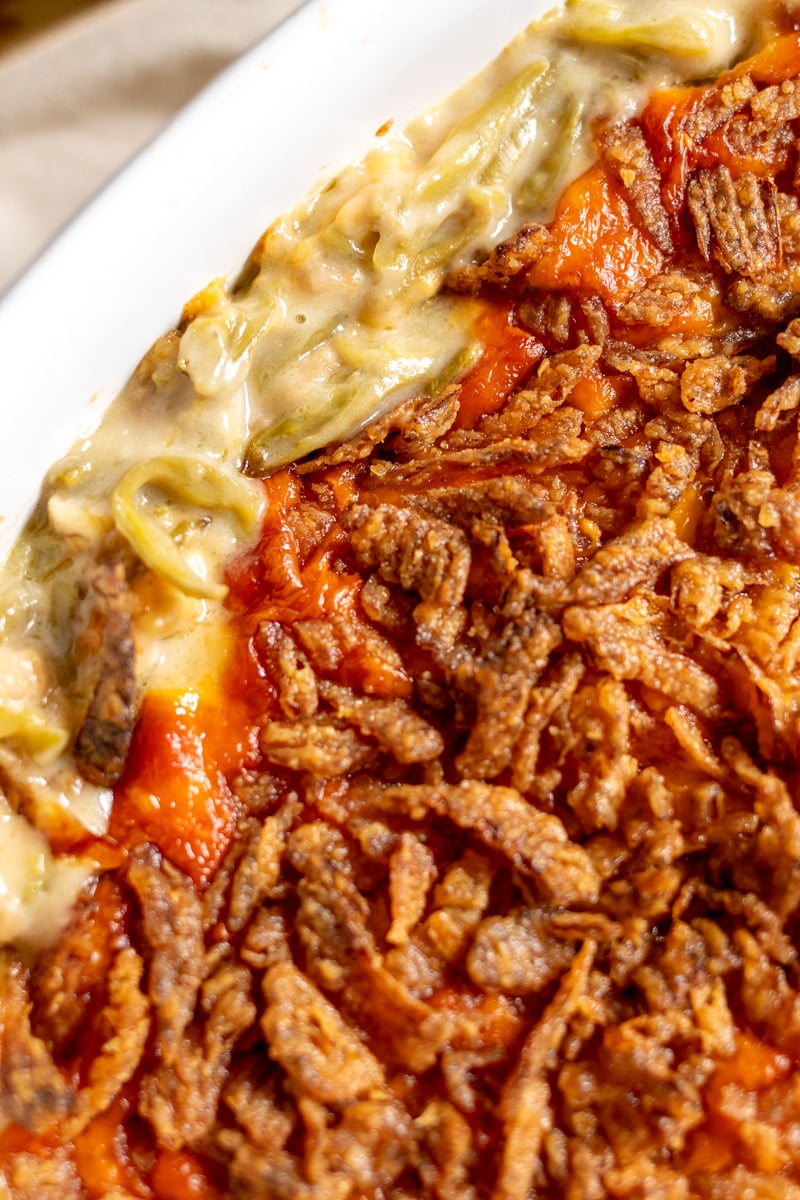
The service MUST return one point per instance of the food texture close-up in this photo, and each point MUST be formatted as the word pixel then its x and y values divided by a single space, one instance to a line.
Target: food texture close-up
pixel 400 680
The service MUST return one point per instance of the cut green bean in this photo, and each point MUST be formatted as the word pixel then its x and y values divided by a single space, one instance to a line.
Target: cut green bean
pixel 689 32
pixel 352 401
pixel 496 132
pixel 215 346
pixel 193 481
pixel 546 180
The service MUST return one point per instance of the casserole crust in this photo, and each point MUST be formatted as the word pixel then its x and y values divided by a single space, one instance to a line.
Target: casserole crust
pixel 471 868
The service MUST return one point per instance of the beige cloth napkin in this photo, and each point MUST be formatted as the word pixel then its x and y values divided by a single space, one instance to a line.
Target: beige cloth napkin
pixel 79 101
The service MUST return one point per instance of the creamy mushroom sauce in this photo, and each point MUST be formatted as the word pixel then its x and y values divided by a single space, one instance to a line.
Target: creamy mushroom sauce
pixel 337 316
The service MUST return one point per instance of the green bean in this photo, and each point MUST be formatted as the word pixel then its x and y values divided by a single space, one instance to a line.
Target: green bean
pixel 353 400
pixel 346 245
pixel 545 183
pixel 476 141
pixel 297 343
pixel 498 131
pixel 215 345
pixel 521 134
pixel 690 32
pixel 439 254
pixel 347 404
pixel 188 479
pixel 456 368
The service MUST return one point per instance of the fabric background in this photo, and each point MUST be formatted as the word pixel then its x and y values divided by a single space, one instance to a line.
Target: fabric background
pixel 80 97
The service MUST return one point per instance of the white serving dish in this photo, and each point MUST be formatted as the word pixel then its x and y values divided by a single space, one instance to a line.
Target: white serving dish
pixel 301 103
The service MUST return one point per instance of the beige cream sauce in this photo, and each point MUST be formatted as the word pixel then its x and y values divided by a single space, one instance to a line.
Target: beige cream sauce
pixel 335 305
